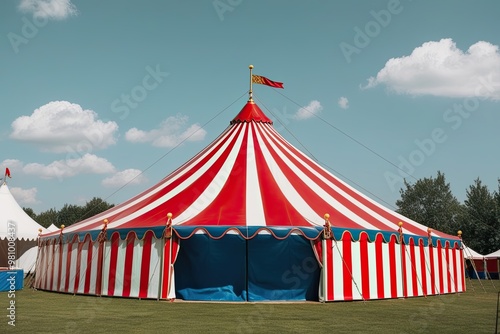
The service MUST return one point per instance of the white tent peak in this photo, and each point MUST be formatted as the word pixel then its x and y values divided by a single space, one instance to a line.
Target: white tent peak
pixel 52 228
pixel 11 212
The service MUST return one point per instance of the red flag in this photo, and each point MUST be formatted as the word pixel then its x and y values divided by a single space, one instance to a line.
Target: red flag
pixel 258 79
pixel 7 172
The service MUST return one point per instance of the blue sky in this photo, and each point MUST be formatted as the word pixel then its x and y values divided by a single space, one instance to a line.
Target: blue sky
pixel 105 98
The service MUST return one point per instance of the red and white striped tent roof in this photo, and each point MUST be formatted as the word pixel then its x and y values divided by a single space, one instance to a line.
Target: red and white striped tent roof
pixel 250 176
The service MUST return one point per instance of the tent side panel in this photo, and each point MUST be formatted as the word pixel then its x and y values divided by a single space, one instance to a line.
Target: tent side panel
pixel 347 272
pixel 375 271
pixel 358 282
pixel 92 270
pixel 82 260
pixel 423 268
pixel 170 251
pixel 110 264
pixel 337 266
pixel 41 267
pixel 50 266
pixel 62 266
pixel 492 267
pixel 135 272
pixel 106 267
pixel 129 258
pixel 71 265
pixel 78 267
pixel 461 272
pixel 56 272
pixel 153 283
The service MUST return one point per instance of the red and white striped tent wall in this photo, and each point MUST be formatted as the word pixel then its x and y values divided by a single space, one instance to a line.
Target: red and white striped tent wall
pixel 245 220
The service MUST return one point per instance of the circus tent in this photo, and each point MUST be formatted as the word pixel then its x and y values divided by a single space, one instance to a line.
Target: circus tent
pixel 251 218
pixel 493 264
pixel 475 263
pixel 19 228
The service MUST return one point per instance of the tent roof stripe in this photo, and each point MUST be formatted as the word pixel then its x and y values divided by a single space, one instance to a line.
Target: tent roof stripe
pixel 251 176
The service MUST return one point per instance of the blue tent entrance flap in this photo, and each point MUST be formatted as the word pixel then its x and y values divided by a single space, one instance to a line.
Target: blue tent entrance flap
pixel 282 269
pixel 211 269
pixel 235 269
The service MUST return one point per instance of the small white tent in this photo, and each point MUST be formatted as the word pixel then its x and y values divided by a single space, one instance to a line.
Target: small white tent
pixel 471 254
pixel 475 264
pixel 493 264
pixel 16 225
pixel 493 255
pixel 52 228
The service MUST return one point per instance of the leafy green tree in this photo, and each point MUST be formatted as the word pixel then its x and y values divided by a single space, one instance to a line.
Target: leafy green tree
pixel 94 207
pixel 30 212
pixel 496 196
pixel 69 214
pixel 496 227
pixel 479 222
pixel 430 202
pixel 47 218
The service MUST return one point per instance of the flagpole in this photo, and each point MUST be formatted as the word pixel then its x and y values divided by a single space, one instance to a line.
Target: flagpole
pixel 250 98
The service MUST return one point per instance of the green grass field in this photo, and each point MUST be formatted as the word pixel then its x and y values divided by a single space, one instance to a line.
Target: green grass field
pixel 46 312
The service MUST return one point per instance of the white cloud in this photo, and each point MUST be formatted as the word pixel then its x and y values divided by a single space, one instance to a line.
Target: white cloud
pixel 128 176
pixel 168 134
pixel 61 169
pixel 313 108
pixel 24 196
pixel 48 9
pixel 441 69
pixel 61 126
pixel 343 102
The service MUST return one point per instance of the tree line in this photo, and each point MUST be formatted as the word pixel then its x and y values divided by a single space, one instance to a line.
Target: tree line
pixel 428 201
pixel 69 213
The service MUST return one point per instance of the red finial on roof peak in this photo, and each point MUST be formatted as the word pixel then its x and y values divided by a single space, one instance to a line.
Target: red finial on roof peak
pixel 251 112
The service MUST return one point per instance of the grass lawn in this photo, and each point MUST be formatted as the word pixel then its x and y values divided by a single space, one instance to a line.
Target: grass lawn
pixel 46 312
